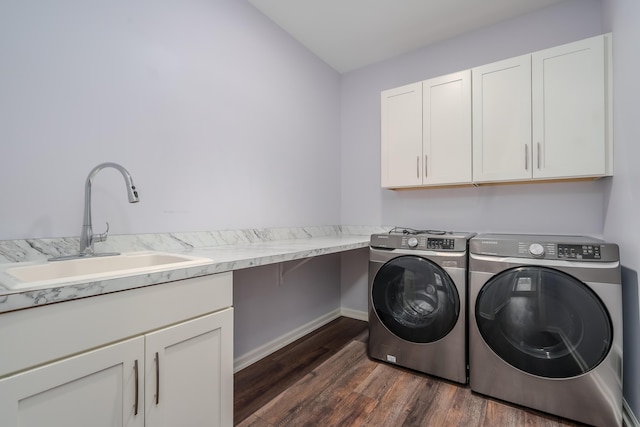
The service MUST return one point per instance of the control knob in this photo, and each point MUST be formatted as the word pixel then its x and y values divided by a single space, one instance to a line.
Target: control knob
pixel 536 249
pixel 412 242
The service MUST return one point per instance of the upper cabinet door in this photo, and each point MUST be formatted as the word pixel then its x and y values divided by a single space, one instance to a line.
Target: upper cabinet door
pixel 447 129
pixel 401 136
pixel 502 120
pixel 569 132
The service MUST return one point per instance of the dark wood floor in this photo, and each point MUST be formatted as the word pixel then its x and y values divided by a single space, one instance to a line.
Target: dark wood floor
pixel 326 379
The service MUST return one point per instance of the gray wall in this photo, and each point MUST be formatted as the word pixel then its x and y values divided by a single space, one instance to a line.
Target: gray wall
pixel 606 208
pixel 223 120
pixel 622 196
pixel 267 308
pixel 530 208
pixel 354 276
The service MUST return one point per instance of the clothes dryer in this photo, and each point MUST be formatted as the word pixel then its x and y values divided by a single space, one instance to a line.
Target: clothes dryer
pixel 417 301
pixel 545 324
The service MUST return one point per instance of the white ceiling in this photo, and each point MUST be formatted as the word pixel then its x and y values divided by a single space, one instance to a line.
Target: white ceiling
pixel 349 34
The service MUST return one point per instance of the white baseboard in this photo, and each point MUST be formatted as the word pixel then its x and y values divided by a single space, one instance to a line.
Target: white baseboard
pixel 264 350
pixel 354 314
pixel 628 417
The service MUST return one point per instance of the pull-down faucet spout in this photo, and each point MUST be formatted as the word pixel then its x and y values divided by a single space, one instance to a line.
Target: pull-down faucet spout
pixel 87 238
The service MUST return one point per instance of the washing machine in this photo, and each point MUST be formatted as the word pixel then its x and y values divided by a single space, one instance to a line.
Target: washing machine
pixel 545 324
pixel 417 301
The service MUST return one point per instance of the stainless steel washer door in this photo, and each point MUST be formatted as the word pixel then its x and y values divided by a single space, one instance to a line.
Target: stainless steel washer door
pixel 544 322
pixel 415 299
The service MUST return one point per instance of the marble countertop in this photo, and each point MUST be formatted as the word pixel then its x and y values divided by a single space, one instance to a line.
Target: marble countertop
pixel 228 251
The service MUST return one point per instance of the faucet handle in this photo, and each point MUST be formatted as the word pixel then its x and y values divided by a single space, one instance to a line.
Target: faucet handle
pixel 101 237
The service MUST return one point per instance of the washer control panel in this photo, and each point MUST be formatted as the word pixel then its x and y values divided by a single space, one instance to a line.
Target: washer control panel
pixel 440 243
pixel 411 242
pixel 426 242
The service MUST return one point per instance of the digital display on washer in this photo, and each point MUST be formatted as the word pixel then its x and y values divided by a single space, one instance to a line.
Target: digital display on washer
pixel 579 251
pixel 440 243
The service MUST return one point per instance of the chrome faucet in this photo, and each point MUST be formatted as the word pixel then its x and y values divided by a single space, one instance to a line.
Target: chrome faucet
pixel 87 238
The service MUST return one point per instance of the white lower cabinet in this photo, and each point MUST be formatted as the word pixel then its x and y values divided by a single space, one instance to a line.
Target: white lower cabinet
pixel 96 389
pixel 177 376
pixel 160 356
pixel 189 373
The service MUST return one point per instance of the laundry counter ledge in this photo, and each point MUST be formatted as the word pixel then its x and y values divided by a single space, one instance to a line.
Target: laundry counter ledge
pixel 228 250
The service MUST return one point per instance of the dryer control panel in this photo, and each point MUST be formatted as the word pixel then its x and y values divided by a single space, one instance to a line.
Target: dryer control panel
pixel 579 251
pixel 559 250
pixel 569 248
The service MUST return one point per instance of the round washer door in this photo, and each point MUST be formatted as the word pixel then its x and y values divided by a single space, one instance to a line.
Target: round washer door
pixel 415 299
pixel 544 322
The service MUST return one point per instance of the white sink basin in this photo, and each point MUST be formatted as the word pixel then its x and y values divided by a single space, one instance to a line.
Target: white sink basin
pixel 98 268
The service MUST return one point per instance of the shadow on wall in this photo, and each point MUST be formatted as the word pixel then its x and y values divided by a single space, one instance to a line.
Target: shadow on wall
pixel 500 208
pixel 631 338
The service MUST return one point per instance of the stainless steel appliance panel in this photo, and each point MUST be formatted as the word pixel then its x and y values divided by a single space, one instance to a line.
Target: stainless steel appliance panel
pixel 417 302
pixel 554 340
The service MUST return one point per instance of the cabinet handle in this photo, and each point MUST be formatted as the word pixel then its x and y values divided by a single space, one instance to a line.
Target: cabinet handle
pixel 425 165
pixel 539 155
pixel 157 359
pixel 135 370
pixel 526 157
pixel 417 166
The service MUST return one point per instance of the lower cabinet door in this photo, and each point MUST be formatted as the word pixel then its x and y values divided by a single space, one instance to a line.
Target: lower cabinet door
pixel 96 389
pixel 189 373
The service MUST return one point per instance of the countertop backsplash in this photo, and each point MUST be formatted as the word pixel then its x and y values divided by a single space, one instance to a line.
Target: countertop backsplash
pixel 228 250
pixel 39 249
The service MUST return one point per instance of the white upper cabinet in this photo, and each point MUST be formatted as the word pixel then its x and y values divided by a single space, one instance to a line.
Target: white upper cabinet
pixel 502 120
pixel 401 130
pixel 543 115
pixel 426 132
pixel 540 116
pixel 446 131
pixel 569 110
